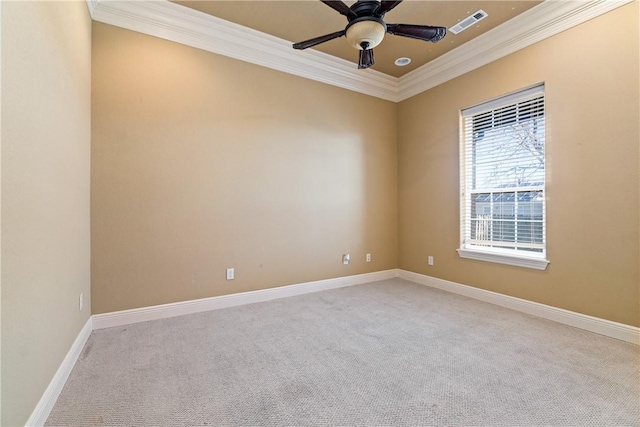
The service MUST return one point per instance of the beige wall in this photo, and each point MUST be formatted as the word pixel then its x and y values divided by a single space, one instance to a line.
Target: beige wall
pixel 202 162
pixel 46 134
pixel 592 94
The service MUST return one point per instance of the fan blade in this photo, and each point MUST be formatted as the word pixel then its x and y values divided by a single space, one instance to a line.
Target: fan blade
pixel 366 59
pixel 340 7
pixel 386 6
pixel 318 40
pixel 420 32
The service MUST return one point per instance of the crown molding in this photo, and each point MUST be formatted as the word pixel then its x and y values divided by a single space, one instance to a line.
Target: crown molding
pixel 538 23
pixel 170 21
pixel 91 5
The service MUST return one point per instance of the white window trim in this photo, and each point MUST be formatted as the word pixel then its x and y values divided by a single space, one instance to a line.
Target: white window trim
pixel 534 261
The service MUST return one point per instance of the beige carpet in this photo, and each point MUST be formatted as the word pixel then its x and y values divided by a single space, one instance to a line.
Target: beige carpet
pixel 383 353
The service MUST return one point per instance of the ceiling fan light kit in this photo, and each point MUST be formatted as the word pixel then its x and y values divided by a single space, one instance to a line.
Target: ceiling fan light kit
pixel 366 28
pixel 365 31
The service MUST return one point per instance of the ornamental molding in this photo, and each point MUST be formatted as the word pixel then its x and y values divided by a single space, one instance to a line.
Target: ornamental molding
pixel 176 23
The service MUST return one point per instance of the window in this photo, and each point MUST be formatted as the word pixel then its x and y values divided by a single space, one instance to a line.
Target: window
pixel 502 166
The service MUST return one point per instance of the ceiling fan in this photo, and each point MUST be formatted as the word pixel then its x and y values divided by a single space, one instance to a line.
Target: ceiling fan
pixel 366 29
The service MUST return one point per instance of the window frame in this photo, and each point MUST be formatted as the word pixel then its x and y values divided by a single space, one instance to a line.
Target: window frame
pixel 534 260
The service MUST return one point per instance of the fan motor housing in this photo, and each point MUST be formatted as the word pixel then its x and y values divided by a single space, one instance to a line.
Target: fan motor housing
pixel 363 8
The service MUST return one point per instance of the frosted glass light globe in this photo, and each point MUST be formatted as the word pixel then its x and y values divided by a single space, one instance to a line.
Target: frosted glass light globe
pixel 371 32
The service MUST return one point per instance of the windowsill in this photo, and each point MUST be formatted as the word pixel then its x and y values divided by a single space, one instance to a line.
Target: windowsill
pixel 537 263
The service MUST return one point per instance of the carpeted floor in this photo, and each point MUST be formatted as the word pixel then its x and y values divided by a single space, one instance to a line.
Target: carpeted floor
pixel 384 353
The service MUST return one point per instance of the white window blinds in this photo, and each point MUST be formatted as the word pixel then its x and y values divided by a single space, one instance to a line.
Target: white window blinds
pixel 503 175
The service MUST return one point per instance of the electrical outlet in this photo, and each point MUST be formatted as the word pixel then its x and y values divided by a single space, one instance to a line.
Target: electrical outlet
pixel 368 258
pixel 430 260
pixel 230 273
pixel 346 258
pixel 80 302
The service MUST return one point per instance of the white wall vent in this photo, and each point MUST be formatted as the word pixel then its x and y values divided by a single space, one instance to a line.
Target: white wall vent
pixel 468 21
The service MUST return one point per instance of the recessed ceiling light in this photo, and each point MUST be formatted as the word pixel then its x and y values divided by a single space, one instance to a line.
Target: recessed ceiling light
pixel 401 62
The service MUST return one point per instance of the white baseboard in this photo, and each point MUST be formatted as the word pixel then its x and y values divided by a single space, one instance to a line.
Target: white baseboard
pixel 45 405
pixel 594 324
pixel 126 317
